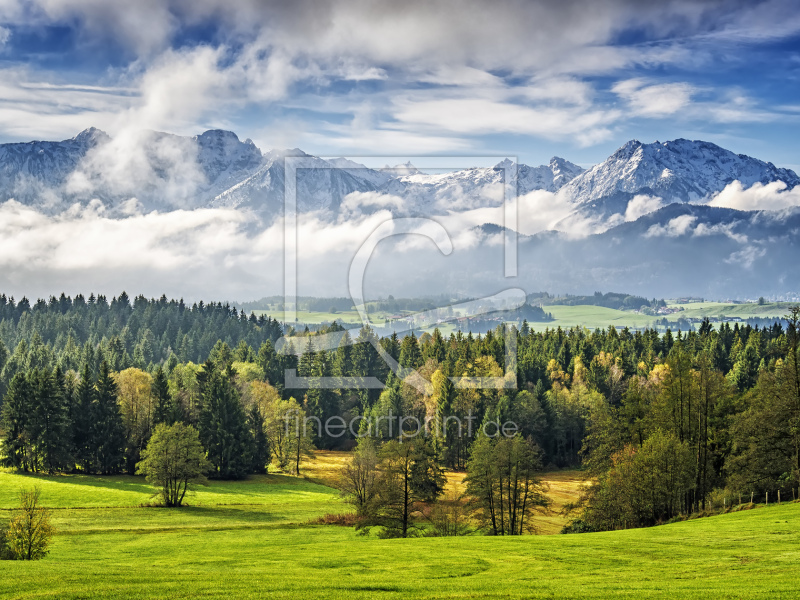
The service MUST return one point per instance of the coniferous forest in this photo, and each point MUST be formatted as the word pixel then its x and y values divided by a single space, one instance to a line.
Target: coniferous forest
pixel 662 423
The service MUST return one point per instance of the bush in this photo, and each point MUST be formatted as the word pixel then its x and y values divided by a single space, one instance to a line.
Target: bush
pixel 5 554
pixel 344 520
pixel 29 534
pixel 578 526
pixel 448 517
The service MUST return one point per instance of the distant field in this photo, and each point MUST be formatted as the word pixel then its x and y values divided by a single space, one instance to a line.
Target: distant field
pixel 305 316
pixel 252 539
pixel 591 317
pixel 744 311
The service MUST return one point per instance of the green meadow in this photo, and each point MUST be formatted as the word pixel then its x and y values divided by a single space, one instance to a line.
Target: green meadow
pixel 255 539
pixel 591 317
pixel 743 311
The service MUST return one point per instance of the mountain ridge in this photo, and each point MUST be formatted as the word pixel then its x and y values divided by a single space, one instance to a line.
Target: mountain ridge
pixel 217 169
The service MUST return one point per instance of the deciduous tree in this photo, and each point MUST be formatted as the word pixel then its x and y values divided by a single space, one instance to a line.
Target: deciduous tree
pixel 173 461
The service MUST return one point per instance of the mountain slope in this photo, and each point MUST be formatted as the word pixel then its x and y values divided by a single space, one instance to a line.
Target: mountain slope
pixel 33 172
pixel 680 170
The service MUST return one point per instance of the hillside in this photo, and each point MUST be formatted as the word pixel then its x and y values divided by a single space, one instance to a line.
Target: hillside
pixel 253 539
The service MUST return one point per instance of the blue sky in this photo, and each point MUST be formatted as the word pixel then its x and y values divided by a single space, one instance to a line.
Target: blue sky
pixel 361 78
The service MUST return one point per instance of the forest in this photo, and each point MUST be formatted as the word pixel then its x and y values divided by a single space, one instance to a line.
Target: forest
pixel 662 424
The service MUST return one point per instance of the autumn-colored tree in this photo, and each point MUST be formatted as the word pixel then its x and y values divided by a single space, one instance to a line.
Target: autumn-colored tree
pixel 30 532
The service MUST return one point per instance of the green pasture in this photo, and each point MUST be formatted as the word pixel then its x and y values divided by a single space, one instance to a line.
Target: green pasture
pixel 744 311
pixel 253 539
pixel 591 317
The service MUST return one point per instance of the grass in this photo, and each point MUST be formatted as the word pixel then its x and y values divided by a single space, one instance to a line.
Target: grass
pixel 591 317
pixel 744 311
pixel 266 548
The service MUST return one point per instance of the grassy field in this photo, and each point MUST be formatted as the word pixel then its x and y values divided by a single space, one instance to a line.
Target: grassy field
pixel 253 539
pixel 744 311
pixel 591 317
pixel 563 486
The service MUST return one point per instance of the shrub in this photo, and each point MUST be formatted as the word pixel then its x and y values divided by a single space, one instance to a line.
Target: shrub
pixel 29 534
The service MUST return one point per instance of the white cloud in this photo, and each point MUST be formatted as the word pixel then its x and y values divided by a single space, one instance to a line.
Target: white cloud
pixel 477 116
pixel 640 205
pixel 674 228
pixel 262 50
pixel 5 34
pixel 746 257
pixel 726 229
pixel 772 196
pixel 654 100
pixel 355 201
pixel 181 253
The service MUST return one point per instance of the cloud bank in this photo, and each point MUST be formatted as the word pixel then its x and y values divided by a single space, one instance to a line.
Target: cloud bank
pixel 772 196
pixel 378 76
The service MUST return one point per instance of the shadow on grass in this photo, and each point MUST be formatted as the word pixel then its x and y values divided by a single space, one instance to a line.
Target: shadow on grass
pixel 122 483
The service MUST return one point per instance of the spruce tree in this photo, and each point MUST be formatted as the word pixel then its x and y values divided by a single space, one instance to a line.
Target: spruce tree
pixel 50 426
pixel 82 410
pixel 223 424
pixel 108 432
pixel 261 453
pixel 166 409
pixel 16 448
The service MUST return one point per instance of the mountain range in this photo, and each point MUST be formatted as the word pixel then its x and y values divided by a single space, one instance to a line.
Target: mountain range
pixel 217 169
pixel 641 214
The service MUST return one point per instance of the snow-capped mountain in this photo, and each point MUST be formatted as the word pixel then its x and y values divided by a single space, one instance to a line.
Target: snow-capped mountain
pixel 676 171
pixel 34 172
pixel 320 187
pixel 476 187
pixel 216 169
pixel 224 159
pixel 649 226
pixel 166 171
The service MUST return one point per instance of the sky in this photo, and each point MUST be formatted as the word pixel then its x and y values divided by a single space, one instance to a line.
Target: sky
pixel 433 82
pixel 414 78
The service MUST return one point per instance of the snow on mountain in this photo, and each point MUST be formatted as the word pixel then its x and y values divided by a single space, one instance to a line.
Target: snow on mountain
pixel 677 171
pixel 319 187
pixel 165 171
pixel 478 186
pixel 405 168
pixel 376 177
pixel 225 160
pixel 32 172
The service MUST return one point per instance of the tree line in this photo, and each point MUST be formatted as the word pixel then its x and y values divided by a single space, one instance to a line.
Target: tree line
pixel 660 421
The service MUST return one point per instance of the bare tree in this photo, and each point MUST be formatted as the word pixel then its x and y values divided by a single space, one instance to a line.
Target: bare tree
pixel 357 479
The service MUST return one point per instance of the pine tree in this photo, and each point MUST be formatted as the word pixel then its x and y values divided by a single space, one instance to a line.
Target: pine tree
pixel 82 417
pixel 50 425
pixel 261 453
pixel 408 473
pixel 410 355
pixel 108 435
pixel 167 410
pixel 270 364
pixel 16 410
pixel 223 425
pixel 321 401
